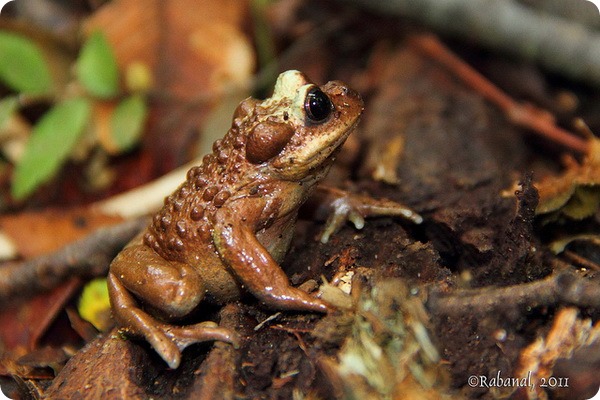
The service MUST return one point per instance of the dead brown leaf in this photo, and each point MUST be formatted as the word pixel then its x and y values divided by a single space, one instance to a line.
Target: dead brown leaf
pixel 40 232
pixel 22 325
pixel 576 192
pixel 194 51
pixel 191 46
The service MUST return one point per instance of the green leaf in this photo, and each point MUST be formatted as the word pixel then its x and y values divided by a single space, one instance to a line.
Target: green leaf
pixel 97 68
pixel 8 106
pixel 128 122
pixel 22 66
pixel 52 139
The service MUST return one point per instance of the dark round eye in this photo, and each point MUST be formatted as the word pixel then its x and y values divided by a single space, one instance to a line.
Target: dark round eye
pixel 317 105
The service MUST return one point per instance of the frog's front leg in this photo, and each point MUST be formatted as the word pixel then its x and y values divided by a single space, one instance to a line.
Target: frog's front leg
pixel 252 264
pixel 172 290
pixel 346 206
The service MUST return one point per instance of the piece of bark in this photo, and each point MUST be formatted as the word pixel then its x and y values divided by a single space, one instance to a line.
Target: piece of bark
pixel 107 368
pixel 217 376
pixel 118 367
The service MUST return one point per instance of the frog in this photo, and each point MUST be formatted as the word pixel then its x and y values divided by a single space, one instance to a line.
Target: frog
pixel 225 230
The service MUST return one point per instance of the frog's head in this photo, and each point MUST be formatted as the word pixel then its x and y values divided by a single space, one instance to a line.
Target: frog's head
pixel 298 130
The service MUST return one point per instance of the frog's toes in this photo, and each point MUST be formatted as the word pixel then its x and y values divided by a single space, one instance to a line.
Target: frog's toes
pixel 355 208
pixel 341 212
pixel 399 210
pixel 183 336
pixel 170 340
pixel 166 348
pixel 357 219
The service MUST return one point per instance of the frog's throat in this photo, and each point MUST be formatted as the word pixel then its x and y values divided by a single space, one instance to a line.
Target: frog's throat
pixel 324 147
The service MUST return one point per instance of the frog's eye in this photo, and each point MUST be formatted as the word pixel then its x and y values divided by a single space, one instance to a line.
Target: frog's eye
pixel 266 140
pixel 317 105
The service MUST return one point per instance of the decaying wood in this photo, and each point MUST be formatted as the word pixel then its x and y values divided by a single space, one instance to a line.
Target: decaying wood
pixel 118 367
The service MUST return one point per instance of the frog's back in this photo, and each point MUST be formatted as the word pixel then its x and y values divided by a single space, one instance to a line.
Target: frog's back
pixel 182 229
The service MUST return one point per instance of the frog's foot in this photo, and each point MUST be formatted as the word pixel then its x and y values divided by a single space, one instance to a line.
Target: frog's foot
pixel 183 336
pixel 355 208
pixel 170 340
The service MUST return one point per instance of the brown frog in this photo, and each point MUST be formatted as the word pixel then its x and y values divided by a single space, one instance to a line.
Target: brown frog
pixel 226 228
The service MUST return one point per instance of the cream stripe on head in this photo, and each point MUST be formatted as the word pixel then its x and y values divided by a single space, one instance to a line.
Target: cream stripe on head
pixel 289 95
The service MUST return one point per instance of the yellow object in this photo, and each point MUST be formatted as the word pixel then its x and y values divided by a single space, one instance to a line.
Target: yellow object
pixel 94 305
pixel 138 77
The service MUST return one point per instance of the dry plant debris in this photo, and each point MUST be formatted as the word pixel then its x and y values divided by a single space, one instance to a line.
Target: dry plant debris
pixel 568 334
pixel 388 351
pixel 575 193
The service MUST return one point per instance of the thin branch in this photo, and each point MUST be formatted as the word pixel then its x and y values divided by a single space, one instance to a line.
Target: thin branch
pixel 559 288
pixel 89 256
pixel 528 116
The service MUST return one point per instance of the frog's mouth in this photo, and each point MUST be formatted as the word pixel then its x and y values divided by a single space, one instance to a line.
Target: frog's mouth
pixel 326 150
pixel 319 156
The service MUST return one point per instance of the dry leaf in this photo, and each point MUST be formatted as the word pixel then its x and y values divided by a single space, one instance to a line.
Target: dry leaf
pixel 191 47
pixel 575 193
pixel 192 51
pixel 22 325
pixel 40 232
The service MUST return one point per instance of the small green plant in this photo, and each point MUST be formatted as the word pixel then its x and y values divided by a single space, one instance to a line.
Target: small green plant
pixel 22 66
pixel 24 70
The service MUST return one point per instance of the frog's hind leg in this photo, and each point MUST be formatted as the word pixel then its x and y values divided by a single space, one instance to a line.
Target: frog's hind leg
pixel 167 340
pixel 152 283
pixel 137 322
pixel 173 289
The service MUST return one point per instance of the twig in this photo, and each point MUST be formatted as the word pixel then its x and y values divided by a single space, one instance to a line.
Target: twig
pixel 556 43
pixel 89 256
pixel 559 288
pixel 525 115
pixel 582 261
